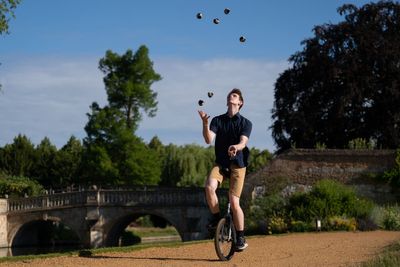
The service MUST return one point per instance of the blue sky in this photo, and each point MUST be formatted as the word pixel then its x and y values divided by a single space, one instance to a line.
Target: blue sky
pixel 49 62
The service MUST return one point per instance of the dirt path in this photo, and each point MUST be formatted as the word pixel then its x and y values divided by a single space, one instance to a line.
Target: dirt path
pixel 311 249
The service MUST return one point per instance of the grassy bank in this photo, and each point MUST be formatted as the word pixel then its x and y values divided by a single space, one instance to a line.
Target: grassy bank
pixel 389 257
pixel 96 251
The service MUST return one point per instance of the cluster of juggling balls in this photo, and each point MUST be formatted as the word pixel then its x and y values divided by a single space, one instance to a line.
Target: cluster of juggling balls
pixel 210 94
pixel 242 39
pixel 199 15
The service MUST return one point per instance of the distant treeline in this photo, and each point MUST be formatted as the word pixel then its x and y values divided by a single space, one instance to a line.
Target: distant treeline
pixel 23 164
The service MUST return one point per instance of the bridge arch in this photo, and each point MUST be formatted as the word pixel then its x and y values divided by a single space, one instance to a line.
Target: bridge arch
pixel 115 228
pixel 41 232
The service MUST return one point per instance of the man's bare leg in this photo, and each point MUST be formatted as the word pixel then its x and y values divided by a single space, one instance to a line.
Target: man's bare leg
pixel 238 220
pixel 238 216
pixel 211 195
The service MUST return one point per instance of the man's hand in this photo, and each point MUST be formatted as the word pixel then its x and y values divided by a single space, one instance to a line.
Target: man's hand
pixel 207 134
pixel 204 117
pixel 232 150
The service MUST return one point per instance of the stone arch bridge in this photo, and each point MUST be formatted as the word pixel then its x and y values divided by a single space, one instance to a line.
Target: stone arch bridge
pixel 98 217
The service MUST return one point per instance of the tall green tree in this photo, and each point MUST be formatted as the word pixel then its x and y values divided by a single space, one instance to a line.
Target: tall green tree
pixel 186 165
pixel 345 84
pixel 158 148
pixel 128 79
pixel 113 154
pixel 44 167
pixel 258 159
pixel 69 163
pixel 170 172
pixel 195 163
pixel 18 158
pixel 156 144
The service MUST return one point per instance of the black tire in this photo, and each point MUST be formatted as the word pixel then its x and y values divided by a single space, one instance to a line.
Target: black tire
pixel 224 240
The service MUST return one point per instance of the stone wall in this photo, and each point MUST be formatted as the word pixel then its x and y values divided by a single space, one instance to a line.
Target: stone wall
pixel 3 223
pixel 303 167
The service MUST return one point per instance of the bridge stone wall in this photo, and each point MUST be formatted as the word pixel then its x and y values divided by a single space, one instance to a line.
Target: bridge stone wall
pixel 303 167
pixel 3 223
pixel 99 217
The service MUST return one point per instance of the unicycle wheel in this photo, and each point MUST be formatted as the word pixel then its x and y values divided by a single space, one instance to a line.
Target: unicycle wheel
pixel 224 240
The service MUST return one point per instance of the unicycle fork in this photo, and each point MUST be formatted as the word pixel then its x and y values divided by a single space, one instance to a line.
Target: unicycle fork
pixel 225 236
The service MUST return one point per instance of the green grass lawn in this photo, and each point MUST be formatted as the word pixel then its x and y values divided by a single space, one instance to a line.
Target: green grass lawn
pixel 153 231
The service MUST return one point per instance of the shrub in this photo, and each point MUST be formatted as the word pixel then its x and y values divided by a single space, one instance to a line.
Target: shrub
pixel 320 146
pixel 276 225
pixel 391 220
pixel 362 208
pixel 366 224
pixel 361 143
pixel 393 176
pixel 300 226
pixel 262 209
pixel 328 199
pixel 342 223
pixel 335 204
pixel 387 218
pixel 377 216
pixel 253 227
pixel 19 186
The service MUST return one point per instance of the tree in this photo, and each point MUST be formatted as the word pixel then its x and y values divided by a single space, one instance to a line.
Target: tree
pixel 170 171
pixel 44 167
pixel 344 84
pixel 17 159
pixel 128 79
pixel 68 162
pixel 7 8
pixel 186 165
pixel 156 144
pixel 195 163
pixel 258 159
pixel 158 148
pixel 113 154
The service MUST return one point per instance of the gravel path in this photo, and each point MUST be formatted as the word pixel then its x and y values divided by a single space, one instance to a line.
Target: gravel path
pixel 308 249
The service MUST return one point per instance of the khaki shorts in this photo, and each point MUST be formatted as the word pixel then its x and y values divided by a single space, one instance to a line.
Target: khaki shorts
pixel 236 178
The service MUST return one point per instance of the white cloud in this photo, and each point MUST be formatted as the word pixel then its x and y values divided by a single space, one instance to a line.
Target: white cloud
pixel 185 82
pixel 51 98
pixel 48 98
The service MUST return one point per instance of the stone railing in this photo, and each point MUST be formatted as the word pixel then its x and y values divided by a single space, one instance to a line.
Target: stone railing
pixel 153 197
pixel 144 197
pixel 47 202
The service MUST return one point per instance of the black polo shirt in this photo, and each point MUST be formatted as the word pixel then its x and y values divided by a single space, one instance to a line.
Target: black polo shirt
pixel 228 131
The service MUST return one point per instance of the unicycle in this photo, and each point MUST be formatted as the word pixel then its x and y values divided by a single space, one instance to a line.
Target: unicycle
pixel 225 237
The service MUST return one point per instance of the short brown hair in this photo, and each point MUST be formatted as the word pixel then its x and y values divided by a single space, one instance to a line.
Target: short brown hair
pixel 238 92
